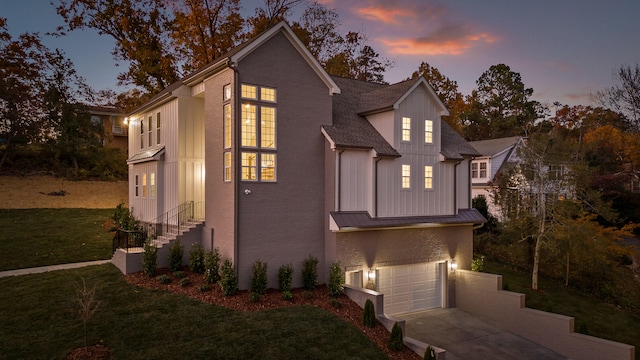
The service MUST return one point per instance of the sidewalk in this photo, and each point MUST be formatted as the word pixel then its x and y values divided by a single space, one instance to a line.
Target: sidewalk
pixel 43 269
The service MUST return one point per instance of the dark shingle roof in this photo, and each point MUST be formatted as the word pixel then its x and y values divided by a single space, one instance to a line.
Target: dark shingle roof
pixel 494 146
pixel 454 147
pixel 361 220
pixel 350 129
pixel 384 98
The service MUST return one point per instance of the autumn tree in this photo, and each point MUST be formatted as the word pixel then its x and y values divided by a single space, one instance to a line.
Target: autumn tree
pixel 139 29
pixel 272 13
pixel 501 106
pixel 624 95
pixel 22 62
pixel 447 91
pixel 203 30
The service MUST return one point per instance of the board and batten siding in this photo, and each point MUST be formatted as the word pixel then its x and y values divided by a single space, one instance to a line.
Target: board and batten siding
pixel 356 180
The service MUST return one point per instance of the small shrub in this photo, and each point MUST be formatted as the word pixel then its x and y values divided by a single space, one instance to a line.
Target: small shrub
pixel 164 279
pixel 336 280
pixel 430 353
pixel 310 272
pixel 184 282
pixel 307 294
pixel 254 297
pixel 335 303
pixel 149 259
pixel 259 278
pixel 285 277
pixel 196 259
pixel 176 250
pixel 369 314
pixel 395 340
pixel 179 274
pixel 212 266
pixel 287 295
pixel 204 288
pixel 477 264
pixel 228 278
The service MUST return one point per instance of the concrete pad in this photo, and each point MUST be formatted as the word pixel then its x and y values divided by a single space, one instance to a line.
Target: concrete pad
pixel 464 336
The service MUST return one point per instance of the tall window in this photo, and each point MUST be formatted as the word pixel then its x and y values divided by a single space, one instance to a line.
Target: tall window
pixel 141 134
pixel 428 131
pixel 150 131
pixel 158 129
pixel 227 126
pixel 406 176
pixel 152 185
pixel 144 185
pixel 258 133
pixel 137 186
pixel 428 177
pixel 227 166
pixel 483 169
pixel 406 129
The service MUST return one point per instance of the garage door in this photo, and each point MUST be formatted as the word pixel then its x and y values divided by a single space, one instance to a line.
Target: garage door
pixel 409 288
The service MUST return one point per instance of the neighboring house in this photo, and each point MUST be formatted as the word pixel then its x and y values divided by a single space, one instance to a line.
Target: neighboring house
pixel 113 122
pixel 300 163
pixel 497 156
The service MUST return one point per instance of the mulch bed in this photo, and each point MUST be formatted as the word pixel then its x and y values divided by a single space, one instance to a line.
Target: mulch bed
pixel 349 311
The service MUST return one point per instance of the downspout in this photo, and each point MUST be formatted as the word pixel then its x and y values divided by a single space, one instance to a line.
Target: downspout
pixel 338 179
pixel 470 183
pixel 375 187
pixel 236 172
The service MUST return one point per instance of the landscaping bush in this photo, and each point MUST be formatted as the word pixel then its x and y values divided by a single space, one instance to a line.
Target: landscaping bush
pixel 336 280
pixel 429 354
pixel 228 278
pixel 310 272
pixel 254 297
pixel 124 220
pixel 196 259
pixel 287 295
pixel 176 250
pixel 369 314
pixel 149 259
pixel 212 266
pixel 285 278
pixel 335 303
pixel 259 278
pixel 164 279
pixel 395 340
pixel 184 282
pixel 179 274
pixel 204 287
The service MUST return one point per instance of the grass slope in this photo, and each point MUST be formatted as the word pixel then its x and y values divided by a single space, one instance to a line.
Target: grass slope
pixel 41 237
pixel 592 316
pixel 38 317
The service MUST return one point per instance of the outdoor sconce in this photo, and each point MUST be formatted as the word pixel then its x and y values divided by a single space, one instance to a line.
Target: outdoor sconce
pixel 371 279
pixel 247 191
pixel 453 265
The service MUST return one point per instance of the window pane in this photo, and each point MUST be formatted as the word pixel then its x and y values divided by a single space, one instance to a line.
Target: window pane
pixel 483 169
pixel 227 126
pixel 150 131
pixel 428 177
pixel 268 127
pixel 428 131
pixel 144 185
pixel 153 184
pixel 268 94
pixel 268 167
pixel 226 90
pixel 248 166
pixel 249 92
pixel 227 166
pixel 158 128
pixel 137 187
pixel 406 176
pixel 406 129
pixel 248 125
pixel 474 170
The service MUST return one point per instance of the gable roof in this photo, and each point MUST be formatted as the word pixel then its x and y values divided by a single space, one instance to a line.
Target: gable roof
pixel 238 53
pixel 359 98
pixel 494 147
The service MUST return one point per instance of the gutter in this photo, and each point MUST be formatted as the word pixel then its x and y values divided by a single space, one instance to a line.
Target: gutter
pixel 236 172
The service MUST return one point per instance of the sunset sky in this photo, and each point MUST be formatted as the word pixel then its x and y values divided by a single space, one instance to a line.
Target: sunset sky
pixel 564 49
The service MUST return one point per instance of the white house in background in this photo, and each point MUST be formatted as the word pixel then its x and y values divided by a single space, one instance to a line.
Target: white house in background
pixel 497 156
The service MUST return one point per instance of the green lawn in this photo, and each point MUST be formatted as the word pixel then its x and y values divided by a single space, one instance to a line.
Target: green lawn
pixel 38 318
pixel 40 237
pixel 592 316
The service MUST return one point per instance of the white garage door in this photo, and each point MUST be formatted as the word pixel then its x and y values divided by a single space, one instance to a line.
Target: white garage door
pixel 409 288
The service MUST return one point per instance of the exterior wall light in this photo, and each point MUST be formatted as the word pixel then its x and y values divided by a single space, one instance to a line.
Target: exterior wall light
pixel 453 265
pixel 371 279
pixel 247 191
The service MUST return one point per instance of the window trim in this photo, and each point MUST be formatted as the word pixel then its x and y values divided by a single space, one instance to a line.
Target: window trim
pixel 152 185
pixel 405 127
pixel 405 177
pixel 150 131
pixel 428 135
pixel 136 186
pixel 144 185
pixel 158 126
pixel 227 164
pixel 428 179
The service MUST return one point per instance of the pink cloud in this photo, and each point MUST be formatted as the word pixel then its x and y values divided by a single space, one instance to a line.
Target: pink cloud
pixel 448 40
pixel 389 16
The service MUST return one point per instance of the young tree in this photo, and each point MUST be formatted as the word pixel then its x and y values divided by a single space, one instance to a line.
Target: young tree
pixel 500 106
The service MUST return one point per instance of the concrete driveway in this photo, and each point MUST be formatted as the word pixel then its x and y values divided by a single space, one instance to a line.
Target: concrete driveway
pixel 464 336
